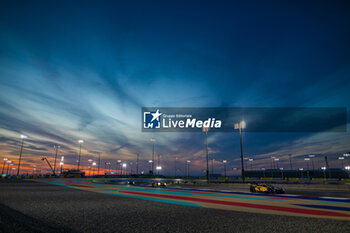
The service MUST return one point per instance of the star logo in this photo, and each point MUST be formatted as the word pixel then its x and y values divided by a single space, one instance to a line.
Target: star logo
pixel 151 120
pixel 156 115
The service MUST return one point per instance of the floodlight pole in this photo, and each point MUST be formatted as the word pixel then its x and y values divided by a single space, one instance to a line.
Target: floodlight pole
pixel 241 143
pixel 206 129
pixel 20 155
pixel 137 164
pixel 54 166
pixel 290 161
pixel 80 142
pixel 99 161
pixel 3 166
pixel 175 165
pixel 225 167
pixel 240 126
pixel 158 162
pixel 153 140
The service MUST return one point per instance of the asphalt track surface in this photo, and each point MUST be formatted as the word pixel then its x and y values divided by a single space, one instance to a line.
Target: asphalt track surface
pixel 43 207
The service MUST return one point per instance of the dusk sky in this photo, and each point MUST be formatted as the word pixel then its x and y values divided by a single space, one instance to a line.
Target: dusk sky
pixel 73 70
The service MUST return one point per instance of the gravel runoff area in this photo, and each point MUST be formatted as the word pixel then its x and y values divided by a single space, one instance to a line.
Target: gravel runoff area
pixel 39 207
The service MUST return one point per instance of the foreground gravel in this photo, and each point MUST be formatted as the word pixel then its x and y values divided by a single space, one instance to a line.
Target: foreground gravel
pixel 38 207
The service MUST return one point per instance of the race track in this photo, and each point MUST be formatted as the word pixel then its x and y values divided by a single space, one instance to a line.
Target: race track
pixel 283 204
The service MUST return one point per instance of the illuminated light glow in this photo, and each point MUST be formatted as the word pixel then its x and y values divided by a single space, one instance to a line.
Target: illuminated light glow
pixel 205 129
pixel 23 136
pixel 341 158
pixel 307 159
pixel 81 141
pixel 240 125
pixel 159 168
pixel 124 164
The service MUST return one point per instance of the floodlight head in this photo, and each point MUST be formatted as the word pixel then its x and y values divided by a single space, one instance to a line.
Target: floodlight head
pixel 225 161
pixel 5 159
pixel 188 161
pixel 341 158
pixel 312 156
pixel 81 141
pixel 240 125
pixel 23 136
pixel 307 159
pixel 94 164
pixel 124 164
pixel 205 129
pixel 153 139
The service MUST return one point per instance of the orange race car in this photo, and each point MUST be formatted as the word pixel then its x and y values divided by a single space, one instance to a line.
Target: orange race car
pixel 159 184
pixel 265 188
